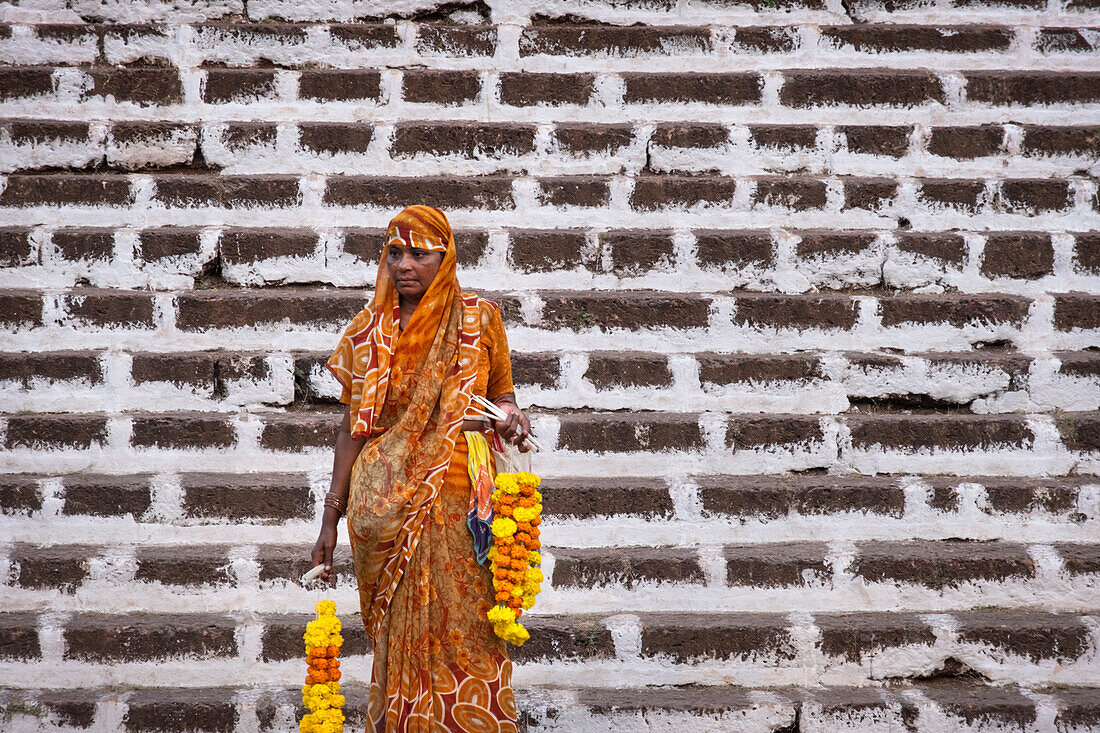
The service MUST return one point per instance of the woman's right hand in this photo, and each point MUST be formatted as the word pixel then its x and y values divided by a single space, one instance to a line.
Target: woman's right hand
pixel 323 549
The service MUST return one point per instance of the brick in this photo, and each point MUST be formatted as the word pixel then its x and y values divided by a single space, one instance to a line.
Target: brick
pixel 186 190
pixel 141 86
pixel 225 86
pixel 859 636
pixel 281 563
pixel 607 370
pixel 24 132
pixel 586 191
pixel 950 248
pixel 717 369
pixel 239 136
pixel 211 309
pixel 966 143
pixel 1084 364
pixel 159 244
pixel 19 636
pixel 524 89
pixel 952 193
pixel 820 244
pixel 663 192
pixel 1012 88
pixel 545 250
pixel 104 308
pixel 1028 255
pixel 721 636
pixel 555 638
pixel 366 244
pixel 878 38
pixel 247 496
pixel 192 566
pixel 626 432
pixel 457 40
pixel 541 370
pixel 437 86
pixel 693 135
pixel 242 246
pixel 717 249
pixel 19 495
pixel 1078 708
pixel 211 710
pixel 1063 40
pixel 20 308
pixel 55 432
pixel 695 700
pixel 194 369
pixel 625 566
pixel 444 192
pixel 795 311
pixel 941 564
pixel 335 137
pixel 590 138
pixel 860 87
pixel 605 496
pixel 107 496
pixel 296 432
pixel 23 82
pixel 51 367
pixel 774 497
pixel 1086 256
pixel 784 137
pixel 871 194
pixel 62 567
pixel 340 85
pixel 1035 195
pixel 614 41
pixel 148 637
pixel 634 252
pixel 241 366
pixel 994 707
pixel 798 194
pixel 732 88
pixel 626 310
pixel 1080 430
pixel 1033 634
pixel 1051 140
pixel 365 36
pixel 66 190
pixel 182 430
pixel 766 39
pixel 468 139
pixel 776 565
pixel 748 432
pixel 892 141
pixel 1079 559
pixel 282 638
pixel 945 495
pixel 84 244
pixel 15 247
pixel 940 431
pixel 1076 310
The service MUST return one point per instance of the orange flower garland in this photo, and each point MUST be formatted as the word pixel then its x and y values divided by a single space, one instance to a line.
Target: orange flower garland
pixel 514 556
pixel 321 692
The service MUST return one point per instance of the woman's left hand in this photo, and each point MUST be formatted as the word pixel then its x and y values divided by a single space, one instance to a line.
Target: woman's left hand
pixel 516 428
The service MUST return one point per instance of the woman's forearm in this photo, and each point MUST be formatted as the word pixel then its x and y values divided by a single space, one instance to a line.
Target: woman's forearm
pixel 346 451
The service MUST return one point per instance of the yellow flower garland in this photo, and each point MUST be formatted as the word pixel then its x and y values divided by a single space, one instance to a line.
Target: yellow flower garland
pixel 321 692
pixel 514 557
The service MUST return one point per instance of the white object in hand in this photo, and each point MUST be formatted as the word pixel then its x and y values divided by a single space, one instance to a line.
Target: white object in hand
pixel 314 573
pixel 490 409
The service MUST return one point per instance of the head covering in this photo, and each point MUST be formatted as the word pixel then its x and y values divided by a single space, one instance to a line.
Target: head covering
pixel 407 393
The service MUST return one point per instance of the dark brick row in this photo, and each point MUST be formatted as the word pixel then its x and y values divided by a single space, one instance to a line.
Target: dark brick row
pixel 650 192
pixel 685 638
pixel 801 88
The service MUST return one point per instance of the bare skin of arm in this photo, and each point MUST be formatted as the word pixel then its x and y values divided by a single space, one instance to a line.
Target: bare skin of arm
pixel 347 450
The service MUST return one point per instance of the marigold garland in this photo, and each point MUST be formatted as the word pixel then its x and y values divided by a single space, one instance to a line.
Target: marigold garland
pixel 514 557
pixel 321 692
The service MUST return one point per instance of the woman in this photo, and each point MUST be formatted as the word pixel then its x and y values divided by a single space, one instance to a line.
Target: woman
pixel 409 364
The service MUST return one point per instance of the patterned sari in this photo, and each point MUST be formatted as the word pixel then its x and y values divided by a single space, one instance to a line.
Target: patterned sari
pixel 438 666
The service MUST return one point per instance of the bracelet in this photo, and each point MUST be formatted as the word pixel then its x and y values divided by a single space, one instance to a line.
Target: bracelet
pixel 336 503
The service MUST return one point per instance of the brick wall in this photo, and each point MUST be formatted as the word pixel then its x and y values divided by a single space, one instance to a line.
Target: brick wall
pixel 803 295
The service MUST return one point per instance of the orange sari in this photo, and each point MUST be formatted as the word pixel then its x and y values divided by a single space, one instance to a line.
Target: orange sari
pixel 438 666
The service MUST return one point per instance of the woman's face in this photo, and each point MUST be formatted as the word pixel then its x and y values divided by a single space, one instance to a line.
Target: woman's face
pixel 412 269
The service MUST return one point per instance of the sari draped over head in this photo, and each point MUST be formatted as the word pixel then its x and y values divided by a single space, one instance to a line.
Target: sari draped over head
pixel 408 391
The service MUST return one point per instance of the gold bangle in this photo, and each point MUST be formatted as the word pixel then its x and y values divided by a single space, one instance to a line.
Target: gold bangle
pixel 336 503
